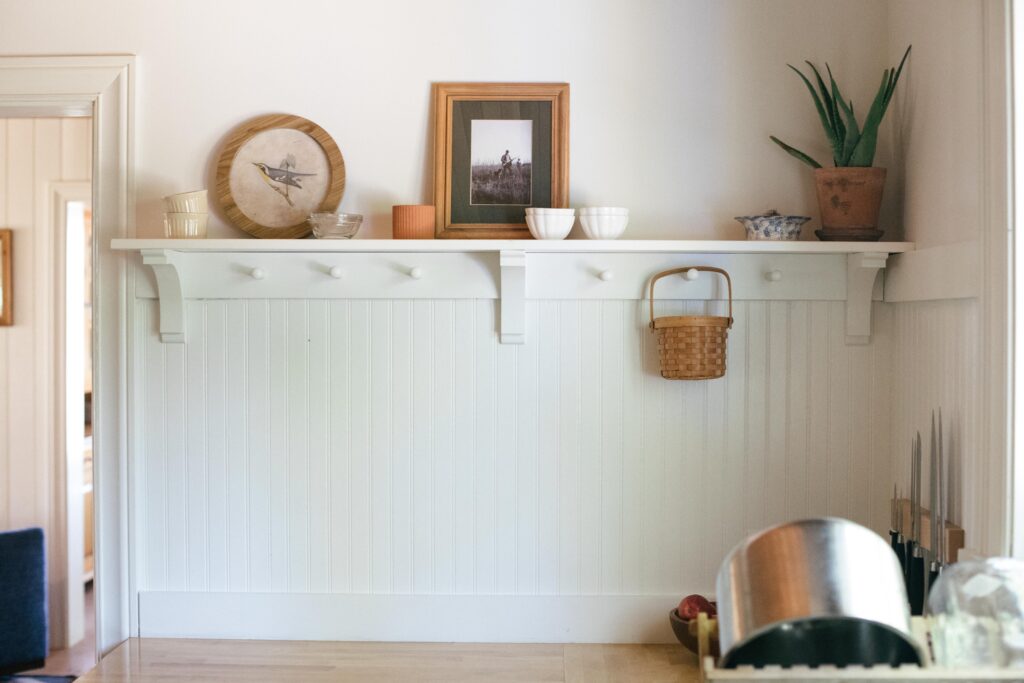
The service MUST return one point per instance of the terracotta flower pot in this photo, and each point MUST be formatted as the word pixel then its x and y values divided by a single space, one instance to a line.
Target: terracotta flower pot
pixel 412 222
pixel 849 199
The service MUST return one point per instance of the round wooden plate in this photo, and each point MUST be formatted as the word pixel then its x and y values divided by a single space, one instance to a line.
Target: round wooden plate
pixel 274 171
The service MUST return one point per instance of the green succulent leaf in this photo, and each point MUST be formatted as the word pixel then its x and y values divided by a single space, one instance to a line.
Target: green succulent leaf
pixel 796 153
pixel 852 144
pixel 864 153
pixel 852 131
pixel 896 77
pixel 825 123
pixel 838 129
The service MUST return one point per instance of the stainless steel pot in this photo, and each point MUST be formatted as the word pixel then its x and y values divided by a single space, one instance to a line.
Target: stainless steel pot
pixel 818 591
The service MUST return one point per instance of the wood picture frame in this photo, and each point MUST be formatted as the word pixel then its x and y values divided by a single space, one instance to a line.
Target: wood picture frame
pixel 6 278
pixel 273 198
pixel 479 194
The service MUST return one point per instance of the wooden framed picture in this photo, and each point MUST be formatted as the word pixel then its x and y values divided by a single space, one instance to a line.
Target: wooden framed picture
pixel 498 148
pixel 274 171
pixel 6 278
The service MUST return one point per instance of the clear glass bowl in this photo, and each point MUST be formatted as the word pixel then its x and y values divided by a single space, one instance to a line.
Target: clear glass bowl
pixel 335 226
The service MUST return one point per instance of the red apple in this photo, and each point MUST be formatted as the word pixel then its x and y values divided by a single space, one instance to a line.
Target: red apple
pixel 692 605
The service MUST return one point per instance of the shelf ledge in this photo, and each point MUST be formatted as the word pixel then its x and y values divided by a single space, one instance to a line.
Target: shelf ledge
pixel 170 262
pixel 526 246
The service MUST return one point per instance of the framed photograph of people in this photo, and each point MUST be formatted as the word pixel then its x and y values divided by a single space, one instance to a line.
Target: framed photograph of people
pixel 498 149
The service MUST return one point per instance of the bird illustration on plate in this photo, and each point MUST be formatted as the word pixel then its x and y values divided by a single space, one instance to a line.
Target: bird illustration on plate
pixel 282 178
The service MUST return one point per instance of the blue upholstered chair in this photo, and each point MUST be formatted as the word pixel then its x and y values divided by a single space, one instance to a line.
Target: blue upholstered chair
pixel 23 620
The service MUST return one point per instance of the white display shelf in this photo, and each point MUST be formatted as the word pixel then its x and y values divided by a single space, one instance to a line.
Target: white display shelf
pixel 526 245
pixel 609 269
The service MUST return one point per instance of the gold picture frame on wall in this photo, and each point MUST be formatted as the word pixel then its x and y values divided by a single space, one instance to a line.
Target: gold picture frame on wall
pixel 274 171
pixel 498 148
pixel 6 278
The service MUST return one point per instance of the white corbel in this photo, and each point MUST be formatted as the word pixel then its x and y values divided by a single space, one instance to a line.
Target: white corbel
pixel 168 287
pixel 861 270
pixel 513 296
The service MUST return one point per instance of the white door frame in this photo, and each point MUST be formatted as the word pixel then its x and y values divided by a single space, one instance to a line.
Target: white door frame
pixel 103 86
pixel 995 466
pixel 67 598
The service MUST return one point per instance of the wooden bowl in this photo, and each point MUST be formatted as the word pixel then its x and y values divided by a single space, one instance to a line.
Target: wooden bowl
pixel 681 627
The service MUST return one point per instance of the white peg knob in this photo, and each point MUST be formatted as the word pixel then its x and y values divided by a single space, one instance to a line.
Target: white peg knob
pixel 336 272
pixel 773 275
pixel 416 273
pixel 691 274
pixel 606 275
pixel 258 273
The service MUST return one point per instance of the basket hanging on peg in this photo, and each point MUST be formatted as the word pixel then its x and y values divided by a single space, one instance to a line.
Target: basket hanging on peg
pixel 691 346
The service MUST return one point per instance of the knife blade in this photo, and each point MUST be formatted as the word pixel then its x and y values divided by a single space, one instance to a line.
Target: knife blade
pixel 896 530
pixel 915 574
pixel 908 551
pixel 934 467
pixel 943 500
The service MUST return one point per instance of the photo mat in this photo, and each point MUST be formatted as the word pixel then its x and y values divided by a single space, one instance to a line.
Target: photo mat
pixel 511 118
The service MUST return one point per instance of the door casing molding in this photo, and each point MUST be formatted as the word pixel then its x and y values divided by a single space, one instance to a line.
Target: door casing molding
pixel 104 86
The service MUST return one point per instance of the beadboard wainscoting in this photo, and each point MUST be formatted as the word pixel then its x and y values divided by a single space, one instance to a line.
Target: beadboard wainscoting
pixel 391 447
pixel 936 364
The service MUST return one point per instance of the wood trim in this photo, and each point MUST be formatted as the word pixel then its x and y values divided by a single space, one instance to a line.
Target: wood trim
pixel 260 124
pixel 444 95
pixel 580 246
pixel 453 618
pixel 6 262
pixel 993 514
pixel 948 271
pixel 103 84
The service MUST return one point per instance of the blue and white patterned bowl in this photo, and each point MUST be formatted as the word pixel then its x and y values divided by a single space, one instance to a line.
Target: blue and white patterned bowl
pixel 772 226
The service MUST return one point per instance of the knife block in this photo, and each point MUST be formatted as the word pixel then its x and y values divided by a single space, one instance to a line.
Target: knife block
pixel 954 535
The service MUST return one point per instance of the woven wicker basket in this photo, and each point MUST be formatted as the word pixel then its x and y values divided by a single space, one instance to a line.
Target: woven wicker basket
pixel 691 346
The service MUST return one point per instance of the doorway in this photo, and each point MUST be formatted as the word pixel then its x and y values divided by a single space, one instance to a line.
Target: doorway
pixel 47 366
pixel 101 87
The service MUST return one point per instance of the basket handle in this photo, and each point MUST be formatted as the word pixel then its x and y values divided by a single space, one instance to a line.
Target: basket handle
pixel 708 269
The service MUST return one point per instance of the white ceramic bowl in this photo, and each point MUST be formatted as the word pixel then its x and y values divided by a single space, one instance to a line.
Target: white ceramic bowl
pixel 603 226
pixel 186 202
pixel 604 211
pixel 185 224
pixel 550 226
pixel 553 212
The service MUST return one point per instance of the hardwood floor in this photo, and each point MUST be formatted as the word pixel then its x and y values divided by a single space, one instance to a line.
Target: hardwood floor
pixel 74 661
pixel 150 660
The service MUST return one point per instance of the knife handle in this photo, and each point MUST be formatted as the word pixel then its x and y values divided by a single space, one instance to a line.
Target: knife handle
pixel 900 550
pixel 933 576
pixel 915 590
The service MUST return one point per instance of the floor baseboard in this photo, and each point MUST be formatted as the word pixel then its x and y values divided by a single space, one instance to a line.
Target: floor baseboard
pixel 407 618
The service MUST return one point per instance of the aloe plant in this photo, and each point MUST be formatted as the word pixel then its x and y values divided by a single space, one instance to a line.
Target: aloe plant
pixel 852 144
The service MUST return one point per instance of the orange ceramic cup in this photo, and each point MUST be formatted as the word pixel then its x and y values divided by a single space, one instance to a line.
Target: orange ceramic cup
pixel 412 222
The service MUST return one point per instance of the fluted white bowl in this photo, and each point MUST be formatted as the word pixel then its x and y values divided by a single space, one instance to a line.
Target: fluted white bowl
pixel 552 212
pixel 185 224
pixel 603 226
pixel 186 202
pixel 550 226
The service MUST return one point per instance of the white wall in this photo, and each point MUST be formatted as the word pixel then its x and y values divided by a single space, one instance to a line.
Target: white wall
pixel 393 447
pixel 672 102
pixel 33 152
pixel 939 129
pixel 937 119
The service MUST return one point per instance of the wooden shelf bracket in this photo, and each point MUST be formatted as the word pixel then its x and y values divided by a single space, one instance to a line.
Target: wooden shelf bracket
pixel 513 296
pixel 861 271
pixel 168 285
